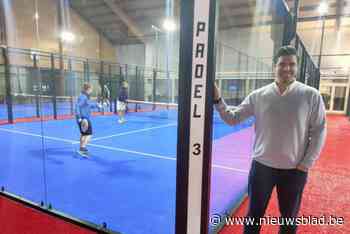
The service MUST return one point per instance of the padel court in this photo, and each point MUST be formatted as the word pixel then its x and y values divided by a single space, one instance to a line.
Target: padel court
pixel 129 180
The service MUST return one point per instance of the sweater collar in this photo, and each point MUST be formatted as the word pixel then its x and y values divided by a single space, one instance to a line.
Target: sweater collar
pixel 289 88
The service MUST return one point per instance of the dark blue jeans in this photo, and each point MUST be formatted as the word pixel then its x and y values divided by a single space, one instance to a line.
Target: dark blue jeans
pixel 289 184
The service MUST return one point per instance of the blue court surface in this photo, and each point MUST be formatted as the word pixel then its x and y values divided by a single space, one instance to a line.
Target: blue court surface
pixel 129 181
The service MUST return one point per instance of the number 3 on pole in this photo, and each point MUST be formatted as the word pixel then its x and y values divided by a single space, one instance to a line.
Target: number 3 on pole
pixel 196 149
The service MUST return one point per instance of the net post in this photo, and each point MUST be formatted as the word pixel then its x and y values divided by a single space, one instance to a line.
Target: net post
pixel 247 63
pixel 38 84
pixel 118 83
pixel 154 88
pixel 86 71
pixel 70 71
pixel 137 97
pixel 110 86
pixel 71 99
pixel 120 74
pixel 136 108
pixel 102 84
pixel 115 105
pixel 8 97
pixel 239 61
pixel 126 72
pixel 54 99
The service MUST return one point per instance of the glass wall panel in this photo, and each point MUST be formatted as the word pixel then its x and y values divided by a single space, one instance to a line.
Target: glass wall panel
pixel 248 35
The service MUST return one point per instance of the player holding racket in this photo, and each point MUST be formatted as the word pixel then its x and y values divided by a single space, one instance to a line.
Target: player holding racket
pixel 82 113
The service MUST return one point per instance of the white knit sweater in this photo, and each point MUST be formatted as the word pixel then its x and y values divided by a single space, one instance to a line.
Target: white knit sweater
pixel 290 127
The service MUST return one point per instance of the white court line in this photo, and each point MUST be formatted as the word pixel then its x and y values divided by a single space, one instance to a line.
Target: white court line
pixel 161 157
pixel 115 149
pixel 132 151
pixel 132 132
pixel 230 168
pixel 37 135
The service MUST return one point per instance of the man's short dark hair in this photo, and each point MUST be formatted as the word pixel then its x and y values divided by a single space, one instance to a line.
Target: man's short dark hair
pixel 285 51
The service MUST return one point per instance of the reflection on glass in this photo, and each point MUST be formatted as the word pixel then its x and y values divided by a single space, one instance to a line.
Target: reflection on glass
pixel 54 48
pixel 326 93
pixel 3 106
pixel 339 98
pixel 22 159
pixel 247 39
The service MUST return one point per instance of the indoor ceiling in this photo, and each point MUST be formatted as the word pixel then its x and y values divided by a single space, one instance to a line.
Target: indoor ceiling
pixel 130 21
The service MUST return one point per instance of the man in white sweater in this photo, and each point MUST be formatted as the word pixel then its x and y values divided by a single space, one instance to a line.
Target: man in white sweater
pixel 290 127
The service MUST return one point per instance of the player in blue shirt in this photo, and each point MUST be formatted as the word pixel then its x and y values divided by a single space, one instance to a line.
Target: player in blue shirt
pixel 82 113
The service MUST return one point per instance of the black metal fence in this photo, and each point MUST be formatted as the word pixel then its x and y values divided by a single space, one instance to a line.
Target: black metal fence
pixel 42 84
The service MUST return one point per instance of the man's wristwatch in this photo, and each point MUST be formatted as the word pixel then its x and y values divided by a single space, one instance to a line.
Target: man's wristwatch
pixel 217 101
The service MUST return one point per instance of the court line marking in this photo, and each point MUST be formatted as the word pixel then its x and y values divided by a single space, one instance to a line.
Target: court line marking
pixel 37 135
pixel 132 151
pixel 116 149
pixel 230 168
pixel 162 157
pixel 134 131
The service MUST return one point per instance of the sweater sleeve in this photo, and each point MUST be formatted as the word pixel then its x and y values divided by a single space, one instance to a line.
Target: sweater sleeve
pixel 233 116
pixel 316 133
